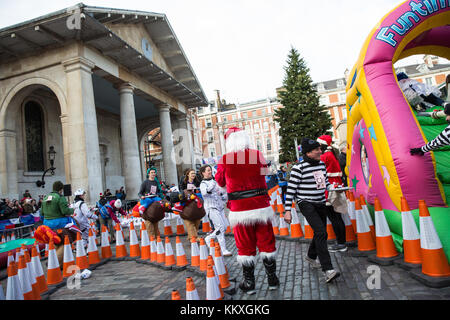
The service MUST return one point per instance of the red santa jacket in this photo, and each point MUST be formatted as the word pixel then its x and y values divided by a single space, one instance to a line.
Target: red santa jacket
pixel 242 171
pixel 333 168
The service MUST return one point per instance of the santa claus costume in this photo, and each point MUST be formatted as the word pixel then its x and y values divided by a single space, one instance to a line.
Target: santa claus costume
pixel 242 170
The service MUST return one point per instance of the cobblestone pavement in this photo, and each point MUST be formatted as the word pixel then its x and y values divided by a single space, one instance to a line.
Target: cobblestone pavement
pixel 132 280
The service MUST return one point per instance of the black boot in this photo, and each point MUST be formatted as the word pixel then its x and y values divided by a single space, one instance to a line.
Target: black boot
pixel 271 268
pixel 248 284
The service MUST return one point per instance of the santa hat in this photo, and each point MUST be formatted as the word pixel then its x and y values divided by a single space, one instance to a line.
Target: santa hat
pixel 236 139
pixel 325 140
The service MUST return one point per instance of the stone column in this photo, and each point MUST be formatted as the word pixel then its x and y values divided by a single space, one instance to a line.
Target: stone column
pixel 82 131
pixel 130 148
pixel 186 144
pixel 170 168
pixel 8 170
pixel 65 133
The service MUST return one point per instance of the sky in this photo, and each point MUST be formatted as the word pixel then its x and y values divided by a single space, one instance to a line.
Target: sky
pixel 240 47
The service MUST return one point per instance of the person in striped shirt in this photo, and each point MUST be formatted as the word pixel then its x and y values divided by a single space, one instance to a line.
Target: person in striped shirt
pixel 307 184
pixel 443 139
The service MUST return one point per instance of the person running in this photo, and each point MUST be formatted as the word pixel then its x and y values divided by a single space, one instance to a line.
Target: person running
pixel 82 214
pixel 307 183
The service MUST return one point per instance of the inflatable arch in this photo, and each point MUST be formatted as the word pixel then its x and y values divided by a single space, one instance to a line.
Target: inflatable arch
pixel 382 127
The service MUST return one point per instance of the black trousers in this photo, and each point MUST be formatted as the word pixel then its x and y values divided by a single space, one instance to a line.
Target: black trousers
pixel 337 223
pixel 316 215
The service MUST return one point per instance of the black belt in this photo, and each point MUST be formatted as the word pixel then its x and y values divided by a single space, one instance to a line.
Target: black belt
pixel 237 195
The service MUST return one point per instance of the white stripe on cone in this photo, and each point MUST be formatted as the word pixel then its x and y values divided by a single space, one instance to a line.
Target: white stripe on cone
pixel 382 227
pixel 294 216
pixel 168 248
pixel 105 239
pixel 153 247
pixel 212 288
pixel 37 266
pixel 133 237
pixel 192 295
pixel 52 262
pixel 119 238
pixel 346 218
pixel 14 288
pixel 429 238
pixel 159 247
pixel 92 246
pixel 361 223
pixel 25 281
pixel 409 227
pixel 80 249
pixel 145 241
pixel 180 250
pixel 367 215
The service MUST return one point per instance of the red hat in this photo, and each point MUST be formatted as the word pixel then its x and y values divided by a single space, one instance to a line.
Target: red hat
pixel 325 139
pixel 230 131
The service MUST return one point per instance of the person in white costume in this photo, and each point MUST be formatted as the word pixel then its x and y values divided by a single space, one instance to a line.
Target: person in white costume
pixel 214 199
pixel 82 214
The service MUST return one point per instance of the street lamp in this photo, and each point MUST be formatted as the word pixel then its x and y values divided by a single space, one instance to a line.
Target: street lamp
pixel 51 158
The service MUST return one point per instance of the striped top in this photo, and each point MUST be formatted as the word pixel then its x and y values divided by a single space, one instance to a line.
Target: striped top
pixel 443 139
pixel 307 182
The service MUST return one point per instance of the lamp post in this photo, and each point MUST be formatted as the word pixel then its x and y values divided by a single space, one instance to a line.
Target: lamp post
pixel 51 158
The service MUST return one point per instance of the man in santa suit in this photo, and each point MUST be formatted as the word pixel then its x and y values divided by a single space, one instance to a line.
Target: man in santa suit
pixel 334 175
pixel 242 170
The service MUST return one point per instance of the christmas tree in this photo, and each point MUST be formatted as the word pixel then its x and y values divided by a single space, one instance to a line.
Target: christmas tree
pixel 301 116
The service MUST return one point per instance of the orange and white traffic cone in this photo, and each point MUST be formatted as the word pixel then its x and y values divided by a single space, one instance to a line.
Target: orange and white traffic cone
pixel 34 283
pixel 212 247
pixel 367 215
pixel 351 210
pixel 284 230
pixel 203 255
pixel 54 275
pixel 81 259
pixel 153 250
pixel 160 254
pixel 37 267
pixel 366 244
pixel 181 255
pixel 330 231
pixel 167 227
pixel 10 258
pixel 296 227
pixel 206 226
pixel 180 226
pixel 212 287
pixel 350 237
pixel 176 295
pixel 435 267
pixel 169 258
pixel 275 224
pixel 13 287
pixel 195 254
pixel 46 250
pixel 412 255
pixel 191 291
pixel 386 252
pixel 106 247
pixel 280 206
pixel 68 260
pixel 13 236
pixel 121 250
pixel 222 272
pixel 211 263
pixel 93 255
pixel 25 280
pixel 135 251
pixel 3 239
pixel 145 243
pixel 309 232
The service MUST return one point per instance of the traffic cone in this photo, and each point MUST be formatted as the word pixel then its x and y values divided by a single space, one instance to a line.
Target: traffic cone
pixel 180 226
pixel 284 230
pixel 54 275
pixel 13 236
pixel 10 258
pixel 175 295
pixel 280 206
pixel 366 244
pixel 350 237
pixel 160 255
pixel 435 268
pixel 121 250
pixel 203 255
pixel 412 256
pixel 3 239
pixel 13 287
pixel 220 267
pixel 169 258
pixel 25 280
pixel 68 260
pixel 167 227
pixel 367 215
pixel 181 255
pixel 195 254
pixel 34 283
pixel 228 230
pixel 212 247
pixel 351 210
pixel 37 266
pixel 145 243
pixel 135 251
pixel 386 252
pixel 191 291
pixel 106 247
pixel 81 259
pixel 153 251
pixel 330 231
pixel 212 287
pixel 206 226
pixel 46 250
pixel 275 224
pixel 309 232
pixel 296 228
pixel 18 254
pixel 93 256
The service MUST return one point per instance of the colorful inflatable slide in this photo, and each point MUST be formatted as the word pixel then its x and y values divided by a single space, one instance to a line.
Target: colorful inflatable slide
pixel 382 127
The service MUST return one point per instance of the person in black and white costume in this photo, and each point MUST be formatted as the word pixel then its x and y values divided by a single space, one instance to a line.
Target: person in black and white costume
pixel 214 201
pixel 82 214
pixel 307 183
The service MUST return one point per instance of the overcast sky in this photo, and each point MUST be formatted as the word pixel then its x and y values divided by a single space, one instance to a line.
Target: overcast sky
pixel 240 46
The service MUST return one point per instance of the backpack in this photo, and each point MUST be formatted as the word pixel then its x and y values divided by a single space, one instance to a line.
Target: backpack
pixel 103 211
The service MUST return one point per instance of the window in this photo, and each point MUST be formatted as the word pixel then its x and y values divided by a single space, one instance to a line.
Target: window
pixel 263 112
pixel 344 113
pixel 323 100
pixel 342 96
pixel 256 127
pixel 233 117
pixel 266 126
pixel 34 131
pixel 428 81
pixel 212 152
pixel 268 145
pixel 244 115
pixel 340 83
pixel 210 137
pixel 320 87
pixel 258 145
pixel 208 123
pixel 247 128
pixel 254 113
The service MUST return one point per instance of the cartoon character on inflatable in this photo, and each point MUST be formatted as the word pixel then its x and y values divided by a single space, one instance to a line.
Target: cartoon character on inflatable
pixel 382 127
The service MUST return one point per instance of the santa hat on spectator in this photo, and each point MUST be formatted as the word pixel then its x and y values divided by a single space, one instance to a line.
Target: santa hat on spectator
pixel 325 140
pixel 236 139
